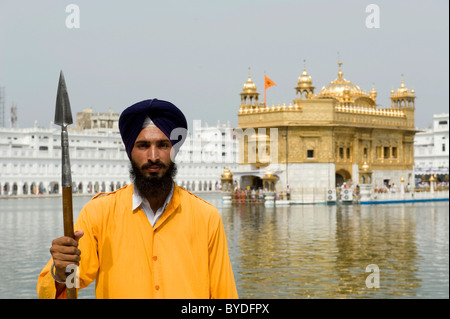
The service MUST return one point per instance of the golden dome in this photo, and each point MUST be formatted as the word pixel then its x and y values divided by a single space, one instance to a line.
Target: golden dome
pixel 402 89
pixel 305 79
pixel 226 173
pixel 341 86
pixel 249 86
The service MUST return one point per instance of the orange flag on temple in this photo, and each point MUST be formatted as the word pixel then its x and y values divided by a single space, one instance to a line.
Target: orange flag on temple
pixel 267 84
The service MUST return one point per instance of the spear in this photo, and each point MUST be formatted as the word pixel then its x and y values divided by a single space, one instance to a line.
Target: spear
pixel 63 117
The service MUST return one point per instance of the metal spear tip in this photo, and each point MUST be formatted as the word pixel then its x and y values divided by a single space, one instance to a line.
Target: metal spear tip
pixel 63 113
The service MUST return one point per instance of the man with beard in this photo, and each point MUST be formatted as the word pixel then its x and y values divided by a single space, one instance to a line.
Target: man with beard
pixel 150 239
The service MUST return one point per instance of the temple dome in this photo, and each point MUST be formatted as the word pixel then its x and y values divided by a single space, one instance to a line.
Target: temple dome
pixel 402 89
pixel 249 86
pixel 304 80
pixel 341 86
pixel 304 88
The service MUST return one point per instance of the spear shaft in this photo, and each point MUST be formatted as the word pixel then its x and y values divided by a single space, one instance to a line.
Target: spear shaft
pixel 66 185
pixel 63 117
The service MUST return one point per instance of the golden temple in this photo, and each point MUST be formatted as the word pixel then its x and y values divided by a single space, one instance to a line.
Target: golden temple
pixel 319 141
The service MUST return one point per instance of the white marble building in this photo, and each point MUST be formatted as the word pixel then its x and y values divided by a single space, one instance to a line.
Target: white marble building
pixel 204 155
pixel 30 159
pixel 431 147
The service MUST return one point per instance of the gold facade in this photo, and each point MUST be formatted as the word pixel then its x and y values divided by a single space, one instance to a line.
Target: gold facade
pixel 341 124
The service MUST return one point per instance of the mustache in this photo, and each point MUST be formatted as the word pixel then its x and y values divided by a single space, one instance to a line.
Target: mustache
pixel 151 163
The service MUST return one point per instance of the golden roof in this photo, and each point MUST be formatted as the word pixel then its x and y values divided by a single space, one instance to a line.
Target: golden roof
pixel 249 86
pixel 402 89
pixel 227 173
pixel 305 79
pixel 341 86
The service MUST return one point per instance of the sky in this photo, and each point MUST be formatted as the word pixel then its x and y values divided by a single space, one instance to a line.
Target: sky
pixel 197 53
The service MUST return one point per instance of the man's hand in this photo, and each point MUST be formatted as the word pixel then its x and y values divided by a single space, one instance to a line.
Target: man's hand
pixel 65 252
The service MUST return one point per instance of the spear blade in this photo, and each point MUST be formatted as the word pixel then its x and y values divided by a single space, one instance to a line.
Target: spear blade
pixel 63 113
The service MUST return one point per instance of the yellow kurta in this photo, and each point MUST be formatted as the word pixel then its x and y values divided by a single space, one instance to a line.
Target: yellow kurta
pixel 184 255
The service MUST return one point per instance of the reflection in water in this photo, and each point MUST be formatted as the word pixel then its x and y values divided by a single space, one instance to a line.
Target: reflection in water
pixel 313 251
pixel 377 236
pixel 302 251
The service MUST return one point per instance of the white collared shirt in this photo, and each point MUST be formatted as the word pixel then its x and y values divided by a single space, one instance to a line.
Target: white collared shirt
pixel 153 217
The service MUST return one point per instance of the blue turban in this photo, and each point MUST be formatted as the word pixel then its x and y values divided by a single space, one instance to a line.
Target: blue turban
pixel 163 114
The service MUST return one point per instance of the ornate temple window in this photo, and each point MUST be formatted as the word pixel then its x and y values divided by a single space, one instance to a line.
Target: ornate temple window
pixel 394 152
pixel 379 154
pixel 386 153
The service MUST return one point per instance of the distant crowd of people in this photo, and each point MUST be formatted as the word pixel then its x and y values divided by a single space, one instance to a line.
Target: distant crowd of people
pixel 256 194
pixel 247 195
pixel 388 188
pixel 426 185
pixel 420 186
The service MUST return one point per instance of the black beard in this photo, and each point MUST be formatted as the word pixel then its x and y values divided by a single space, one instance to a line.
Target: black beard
pixel 153 186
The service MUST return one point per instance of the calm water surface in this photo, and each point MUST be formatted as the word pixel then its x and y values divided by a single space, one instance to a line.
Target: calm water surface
pixel 302 251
